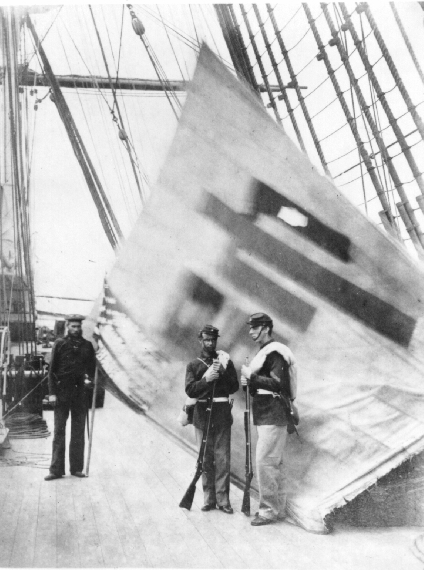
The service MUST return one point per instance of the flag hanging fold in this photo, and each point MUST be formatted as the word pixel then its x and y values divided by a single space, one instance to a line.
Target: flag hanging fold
pixel 242 222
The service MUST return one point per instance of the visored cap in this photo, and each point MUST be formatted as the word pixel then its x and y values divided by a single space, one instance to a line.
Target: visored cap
pixel 77 318
pixel 258 319
pixel 209 329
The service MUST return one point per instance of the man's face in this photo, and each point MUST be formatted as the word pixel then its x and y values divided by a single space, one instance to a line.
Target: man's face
pixel 256 333
pixel 208 342
pixel 74 328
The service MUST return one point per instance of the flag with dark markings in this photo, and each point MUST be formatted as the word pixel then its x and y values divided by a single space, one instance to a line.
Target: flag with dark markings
pixel 242 222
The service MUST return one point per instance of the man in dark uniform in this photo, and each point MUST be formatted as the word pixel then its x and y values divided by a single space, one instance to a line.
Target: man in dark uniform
pixel 271 378
pixel 72 358
pixel 213 373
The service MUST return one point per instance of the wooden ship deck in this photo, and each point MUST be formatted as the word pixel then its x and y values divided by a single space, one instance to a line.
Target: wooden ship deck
pixel 126 514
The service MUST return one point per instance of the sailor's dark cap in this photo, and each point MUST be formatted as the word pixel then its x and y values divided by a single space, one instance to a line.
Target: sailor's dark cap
pixel 210 330
pixel 77 318
pixel 258 319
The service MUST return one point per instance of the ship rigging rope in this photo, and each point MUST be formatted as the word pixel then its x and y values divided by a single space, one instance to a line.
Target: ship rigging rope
pixel 375 154
pixel 45 35
pixel 209 30
pixel 126 142
pixel 194 25
pixel 77 90
pixel 160 72
pixel 170 43
pixel 182 36
pixel 135 163
pixel 25 397
pixel 406 40
pixel 288 22
pixel 107 217
pixel 313 59
pixel 120 44
pixel 380 143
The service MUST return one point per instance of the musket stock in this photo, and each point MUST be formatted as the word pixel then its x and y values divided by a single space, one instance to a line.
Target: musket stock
pixel 187 501
pixel 245 507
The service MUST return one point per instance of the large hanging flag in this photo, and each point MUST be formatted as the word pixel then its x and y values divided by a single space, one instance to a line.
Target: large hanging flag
pixel 242 222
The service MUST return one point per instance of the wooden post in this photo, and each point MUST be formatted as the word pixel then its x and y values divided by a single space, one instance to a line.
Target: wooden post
pixel 93 409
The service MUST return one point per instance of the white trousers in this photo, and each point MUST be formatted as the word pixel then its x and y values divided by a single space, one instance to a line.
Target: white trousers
pixel 271 471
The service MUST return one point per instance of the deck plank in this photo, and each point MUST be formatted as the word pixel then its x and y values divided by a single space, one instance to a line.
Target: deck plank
pixel 126 514
pixel 89 543
pixel 45 542
pixel 9 517
pixel 66 524
pixel 23 552
pixel 131 540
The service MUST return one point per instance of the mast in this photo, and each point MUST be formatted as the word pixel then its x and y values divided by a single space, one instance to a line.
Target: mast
pixel 17 298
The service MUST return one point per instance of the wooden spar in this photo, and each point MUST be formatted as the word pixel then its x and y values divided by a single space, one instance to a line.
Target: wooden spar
pixel 93 410
pixel 107 217
pixel 30 78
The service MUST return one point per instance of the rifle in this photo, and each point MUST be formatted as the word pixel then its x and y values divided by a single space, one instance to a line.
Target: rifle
pixel 245 507
pixel 187 500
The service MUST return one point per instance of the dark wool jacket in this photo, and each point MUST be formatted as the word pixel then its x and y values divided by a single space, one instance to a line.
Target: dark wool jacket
pixel 71 359
pixel 273 376
pixel 197 387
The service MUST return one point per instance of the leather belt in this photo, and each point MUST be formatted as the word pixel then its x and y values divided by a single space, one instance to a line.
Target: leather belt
pixel 215 400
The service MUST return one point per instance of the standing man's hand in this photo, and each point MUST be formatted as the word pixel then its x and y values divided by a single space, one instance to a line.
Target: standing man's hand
pixel 212 373
pixel 246 372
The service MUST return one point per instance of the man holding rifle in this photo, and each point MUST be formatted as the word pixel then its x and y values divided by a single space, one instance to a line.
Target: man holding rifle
pixel 213 372
pixel 271 380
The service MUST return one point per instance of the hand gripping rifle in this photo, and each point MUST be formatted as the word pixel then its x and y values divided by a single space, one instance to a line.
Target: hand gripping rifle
pixel 245 508
pixel 187 500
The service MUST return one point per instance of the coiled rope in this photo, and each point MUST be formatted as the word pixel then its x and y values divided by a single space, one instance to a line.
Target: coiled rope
pixel 23 425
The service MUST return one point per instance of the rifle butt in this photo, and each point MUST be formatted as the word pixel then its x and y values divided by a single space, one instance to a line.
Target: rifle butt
pixel 245 506
pixel 187 500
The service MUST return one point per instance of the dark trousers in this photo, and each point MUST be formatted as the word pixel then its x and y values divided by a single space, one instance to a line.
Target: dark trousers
pixel 76 404
pixel 216 474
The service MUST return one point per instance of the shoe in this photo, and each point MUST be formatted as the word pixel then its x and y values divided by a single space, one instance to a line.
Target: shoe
pixel 260 521
pixel 78 474
pixel 206 508
pixel 52 476
pixel 227 509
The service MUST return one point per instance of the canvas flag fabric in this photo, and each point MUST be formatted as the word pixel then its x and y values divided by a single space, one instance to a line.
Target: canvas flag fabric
pixel 241 222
